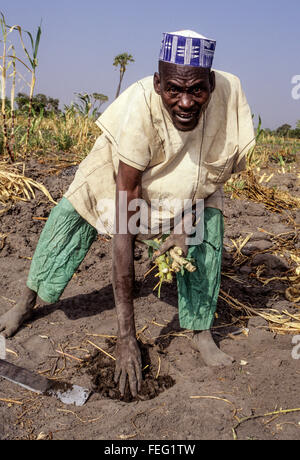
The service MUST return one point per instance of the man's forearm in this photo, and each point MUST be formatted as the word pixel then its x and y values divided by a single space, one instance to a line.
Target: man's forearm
pixel 123 283
pixel 127 352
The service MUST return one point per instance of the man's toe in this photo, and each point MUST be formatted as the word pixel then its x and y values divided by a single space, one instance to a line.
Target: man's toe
pixel 5 330
pixel 8 333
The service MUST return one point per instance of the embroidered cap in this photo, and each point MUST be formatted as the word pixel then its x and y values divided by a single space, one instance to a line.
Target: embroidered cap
pixel 187 47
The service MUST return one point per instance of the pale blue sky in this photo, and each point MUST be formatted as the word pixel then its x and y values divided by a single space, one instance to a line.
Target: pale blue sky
pixel 258 40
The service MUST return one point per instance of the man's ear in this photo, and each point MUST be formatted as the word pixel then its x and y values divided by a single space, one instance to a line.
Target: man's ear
pixel 156 83
pixel 212 81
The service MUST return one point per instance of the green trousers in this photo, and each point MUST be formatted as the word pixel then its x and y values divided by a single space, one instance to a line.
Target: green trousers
pixel 63 244
pixel 198 291
pixel 67 237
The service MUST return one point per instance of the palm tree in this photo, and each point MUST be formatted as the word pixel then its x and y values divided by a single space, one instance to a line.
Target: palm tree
pixel 122 60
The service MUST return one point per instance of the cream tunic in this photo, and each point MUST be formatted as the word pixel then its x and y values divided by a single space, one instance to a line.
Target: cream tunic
pixel 137 129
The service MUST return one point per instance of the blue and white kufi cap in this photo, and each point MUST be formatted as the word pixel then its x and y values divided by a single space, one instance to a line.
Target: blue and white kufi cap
pixel 187 47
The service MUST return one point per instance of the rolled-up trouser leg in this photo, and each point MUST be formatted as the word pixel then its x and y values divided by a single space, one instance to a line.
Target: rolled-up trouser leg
pixel 63 244
pixel 198 291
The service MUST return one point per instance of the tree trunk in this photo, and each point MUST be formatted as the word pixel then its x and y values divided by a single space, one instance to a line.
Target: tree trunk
pixel 120 82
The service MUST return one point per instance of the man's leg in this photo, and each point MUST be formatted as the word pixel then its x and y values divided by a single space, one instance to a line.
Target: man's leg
pixel 198 291
pixel 63 244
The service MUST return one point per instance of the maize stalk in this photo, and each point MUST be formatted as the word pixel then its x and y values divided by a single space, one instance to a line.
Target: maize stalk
pixel 33 65
pixel 4 67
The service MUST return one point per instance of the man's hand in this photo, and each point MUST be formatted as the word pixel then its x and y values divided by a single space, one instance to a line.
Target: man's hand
pixel 172 241
pixel 128 364
pixel 179 236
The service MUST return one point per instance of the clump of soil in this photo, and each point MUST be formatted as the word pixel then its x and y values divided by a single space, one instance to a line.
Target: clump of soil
pixel 59 387
pixel 102 369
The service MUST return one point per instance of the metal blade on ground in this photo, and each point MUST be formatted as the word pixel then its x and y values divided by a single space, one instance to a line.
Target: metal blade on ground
pixel 65 392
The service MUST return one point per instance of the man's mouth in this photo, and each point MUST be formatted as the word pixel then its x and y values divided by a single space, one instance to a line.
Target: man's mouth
pixel 185 117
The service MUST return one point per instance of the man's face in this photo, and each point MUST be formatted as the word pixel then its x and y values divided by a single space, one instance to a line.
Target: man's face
pixel 184 91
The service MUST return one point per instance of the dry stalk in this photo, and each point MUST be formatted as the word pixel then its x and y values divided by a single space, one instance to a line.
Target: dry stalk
pixel 218 399
pixel 100 349
pixel 239 257
pixel 268 414
pixel 11 401
pixel 68 355
pixel 159 365
pixel 281 323
pixel 102 335
pixel 275 200
pixel 79 418
pixel 15 186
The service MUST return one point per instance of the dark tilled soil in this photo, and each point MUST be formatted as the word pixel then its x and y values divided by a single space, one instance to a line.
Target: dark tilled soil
pixel 181 398
pixel 102 370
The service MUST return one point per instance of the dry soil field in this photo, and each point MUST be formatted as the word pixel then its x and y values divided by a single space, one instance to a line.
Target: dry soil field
pixel 188 400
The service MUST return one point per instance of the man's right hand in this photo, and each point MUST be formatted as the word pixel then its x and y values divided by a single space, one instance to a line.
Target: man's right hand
pixel 128 364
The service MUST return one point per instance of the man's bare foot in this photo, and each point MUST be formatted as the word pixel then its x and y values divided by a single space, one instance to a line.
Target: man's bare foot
pixel 15 317
pixel 211 354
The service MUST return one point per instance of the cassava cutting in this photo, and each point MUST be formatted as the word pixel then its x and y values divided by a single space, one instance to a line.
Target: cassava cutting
pixel 168 263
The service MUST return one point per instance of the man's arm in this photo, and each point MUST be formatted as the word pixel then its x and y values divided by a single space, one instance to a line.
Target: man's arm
pixel 128 357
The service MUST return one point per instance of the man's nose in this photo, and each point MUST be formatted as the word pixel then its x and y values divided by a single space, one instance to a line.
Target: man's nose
pixel 186 102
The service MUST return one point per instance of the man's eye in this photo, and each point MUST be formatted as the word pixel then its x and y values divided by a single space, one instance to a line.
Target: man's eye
pixel 197 90
pixel 173 91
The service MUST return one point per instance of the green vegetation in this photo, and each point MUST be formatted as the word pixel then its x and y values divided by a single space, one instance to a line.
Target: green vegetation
pixel 33 124
pixel 274 149
pixel 286 131
pixel 88 105
pixel 39 104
